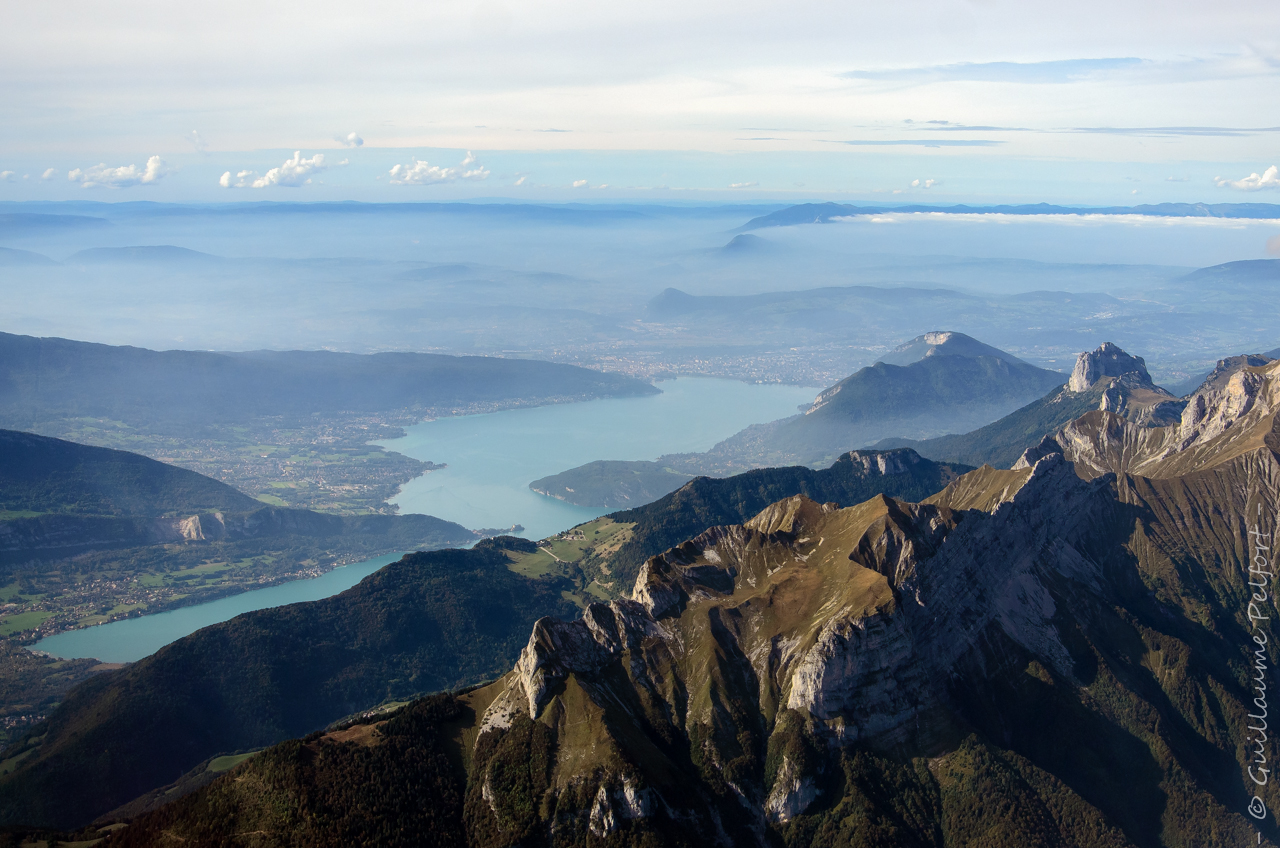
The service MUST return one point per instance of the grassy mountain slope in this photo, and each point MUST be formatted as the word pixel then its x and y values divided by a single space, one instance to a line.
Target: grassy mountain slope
pixel 1029 658
pixel 43 475
pixel 41 379
pixel 707 502
pixel 429 622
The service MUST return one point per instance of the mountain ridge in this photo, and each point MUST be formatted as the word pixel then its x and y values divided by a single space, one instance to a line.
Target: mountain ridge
pixel 1040 656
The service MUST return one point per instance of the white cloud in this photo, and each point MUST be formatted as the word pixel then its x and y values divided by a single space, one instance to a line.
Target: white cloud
pixel 49 174
pixel 6 176
pixel 293 173
pixel 924 183
pixel 196 141
pixel 121 177
pixel 521 181
pixel 1269 178
pixel 422 172
pixel 743 185
pixel 351 140
pixel 579 183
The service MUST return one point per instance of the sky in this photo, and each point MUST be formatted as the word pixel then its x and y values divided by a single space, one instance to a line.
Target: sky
pixel 1088 102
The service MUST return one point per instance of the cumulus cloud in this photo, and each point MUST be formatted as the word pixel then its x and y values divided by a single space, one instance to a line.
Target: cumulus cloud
pixel 121 177
pixel 520 181
pixel 6 176
pixel 422 172
pixel 1269 178
pixel 49 174
pixel 579 183
pixel 293 173
pixel 351 140
pixel 924 183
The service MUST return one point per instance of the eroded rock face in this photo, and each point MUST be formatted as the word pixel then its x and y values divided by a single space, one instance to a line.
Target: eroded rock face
pixel 885 462
pixel 848 618
pixel 1108 360
pixel 1235 407
pixel 793 791
pixel 811 632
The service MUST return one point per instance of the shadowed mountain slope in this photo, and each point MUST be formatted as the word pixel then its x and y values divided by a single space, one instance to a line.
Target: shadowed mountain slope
pixel 1106 378
pixel 431 621
pixel 949 381
pixel 42 379
pixel 1045 656
pixel 44 475
pixel 59 499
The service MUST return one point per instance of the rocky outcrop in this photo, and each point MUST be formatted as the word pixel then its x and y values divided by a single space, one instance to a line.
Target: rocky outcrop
pixel 851 619
pixel 1107 360
pixel 1233 411
pixel 760 670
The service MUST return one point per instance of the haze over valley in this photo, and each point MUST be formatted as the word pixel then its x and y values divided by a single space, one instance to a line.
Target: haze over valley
pixel 668 426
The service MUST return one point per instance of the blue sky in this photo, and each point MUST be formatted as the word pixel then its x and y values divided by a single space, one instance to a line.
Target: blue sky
pixel 919 100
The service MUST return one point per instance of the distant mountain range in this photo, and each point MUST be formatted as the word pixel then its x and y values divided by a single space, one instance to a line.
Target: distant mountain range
pixel 935 383
pixel 47 378
pixel 1067 652
pixel 1106 379
pixel 822 213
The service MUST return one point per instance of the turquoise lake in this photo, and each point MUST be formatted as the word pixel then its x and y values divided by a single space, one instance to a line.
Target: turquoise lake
pixel 134 638
pixel 491 460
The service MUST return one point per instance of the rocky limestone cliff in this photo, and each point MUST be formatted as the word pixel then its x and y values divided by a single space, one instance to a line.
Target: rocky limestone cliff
pixel 1107 360
pixel 756 668
pixel 1061 654
pixel 1126 388
pixel 1231 413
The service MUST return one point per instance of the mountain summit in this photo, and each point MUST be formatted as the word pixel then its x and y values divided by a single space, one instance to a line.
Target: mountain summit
pixel 1107 361
pixel 1107 379
pixel 937 383
pixel 943 343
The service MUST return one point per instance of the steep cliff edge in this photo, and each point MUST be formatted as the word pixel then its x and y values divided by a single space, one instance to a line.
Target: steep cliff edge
pixel 1034 651
pixel 1056 654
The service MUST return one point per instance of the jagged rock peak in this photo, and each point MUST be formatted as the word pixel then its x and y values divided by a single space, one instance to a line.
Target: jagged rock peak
pixel 1107 361
pixel 1033 455
pixel 1222 372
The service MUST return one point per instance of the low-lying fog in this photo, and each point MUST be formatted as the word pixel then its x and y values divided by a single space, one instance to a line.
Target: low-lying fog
pixel 586 284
